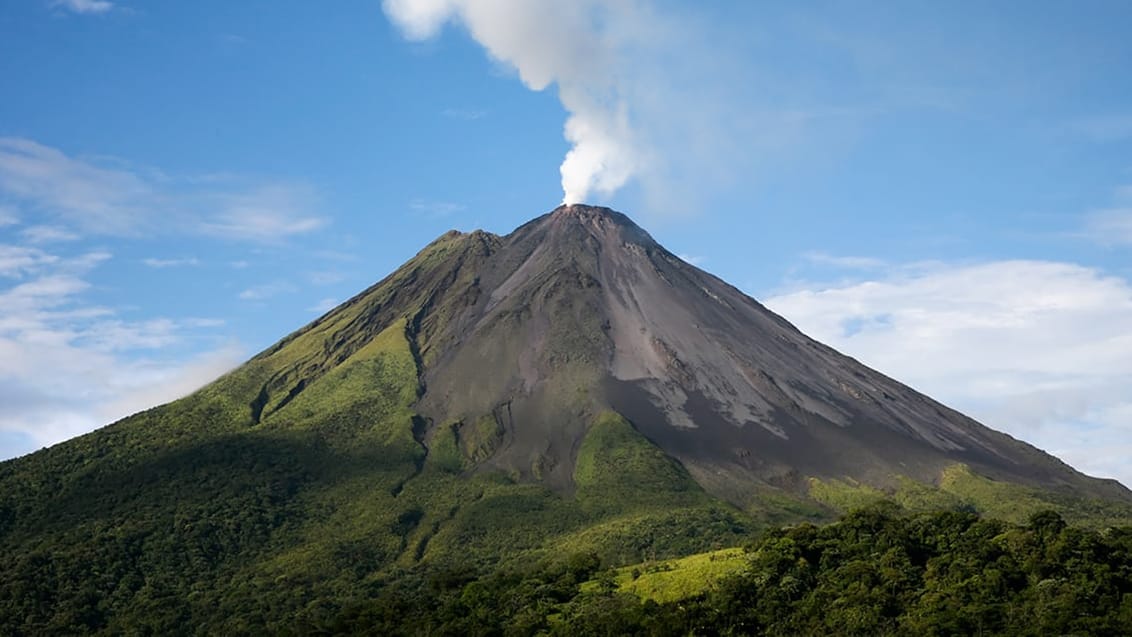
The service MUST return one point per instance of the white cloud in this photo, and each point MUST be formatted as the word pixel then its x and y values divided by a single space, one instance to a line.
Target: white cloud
pixel 325 277
pixel 1110 227
pixel 87 260
pixel 692 259
pixel 203 322
pixel 435 208
pixel 266 291
pixel 8 216
pixel 1039 349
pixel 68 366
pixel 266 214
pixel 84 6
pixel 108 198
pixel 47 234
pixel 466 115
pixel 18 260
pixel 171 263
pixel 845 262
pixel 113 335
pixel 89 389
pixel 149 383
pixel 93 197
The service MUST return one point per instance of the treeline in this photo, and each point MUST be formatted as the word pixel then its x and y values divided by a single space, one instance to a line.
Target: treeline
pixel 876 572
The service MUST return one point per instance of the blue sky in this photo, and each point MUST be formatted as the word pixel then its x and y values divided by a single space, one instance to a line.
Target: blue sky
pixel 942 190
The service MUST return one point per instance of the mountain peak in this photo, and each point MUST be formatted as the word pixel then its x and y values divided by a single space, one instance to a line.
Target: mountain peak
pixel 586 212
pixel 583 209
pixel 609 226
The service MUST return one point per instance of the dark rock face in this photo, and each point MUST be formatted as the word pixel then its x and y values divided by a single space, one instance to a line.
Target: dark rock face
pixel 580 311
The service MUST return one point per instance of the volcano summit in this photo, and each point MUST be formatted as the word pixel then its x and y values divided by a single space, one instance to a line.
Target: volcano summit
pixel 569 387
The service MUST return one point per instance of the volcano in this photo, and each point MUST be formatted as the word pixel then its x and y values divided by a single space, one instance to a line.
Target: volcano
pixel 570 386
pixel 580 312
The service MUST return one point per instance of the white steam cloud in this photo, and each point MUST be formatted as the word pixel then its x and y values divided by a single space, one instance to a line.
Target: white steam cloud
pixel 591 49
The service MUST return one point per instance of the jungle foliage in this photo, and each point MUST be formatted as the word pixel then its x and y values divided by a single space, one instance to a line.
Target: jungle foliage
pixel 876 572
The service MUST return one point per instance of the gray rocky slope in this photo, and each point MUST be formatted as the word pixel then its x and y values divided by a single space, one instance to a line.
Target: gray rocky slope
pixel 580 311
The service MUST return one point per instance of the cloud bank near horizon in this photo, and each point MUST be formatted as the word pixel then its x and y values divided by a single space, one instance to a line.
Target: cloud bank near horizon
pixel 70 362
pixel 1038 349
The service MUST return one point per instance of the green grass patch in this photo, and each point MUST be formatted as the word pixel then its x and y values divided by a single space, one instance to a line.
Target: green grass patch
pixel 618 467
pixel 677 579
pixel 1016 503
pixel 444 451
pixel 844 495
pixel 479 439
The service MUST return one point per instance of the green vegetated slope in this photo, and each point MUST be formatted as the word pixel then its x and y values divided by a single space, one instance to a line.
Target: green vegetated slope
pixel 204 513
pixel 961 489
pixel 234 513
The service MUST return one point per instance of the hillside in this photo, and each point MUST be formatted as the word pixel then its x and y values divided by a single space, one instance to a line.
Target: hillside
pixel 568 394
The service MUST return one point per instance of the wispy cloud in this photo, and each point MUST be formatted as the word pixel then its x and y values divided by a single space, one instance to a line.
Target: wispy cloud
pixel 325 277
pixel 47 234
pixel 435 208
pixel 203 322
pixel 98 199
pixel 693 259
pixel 8 216
pixel 16 261
pixel 844 262
pixel 1110 227
pixel 83 6
pixel 266 214
pixel 266 291
pixel 466 115
pixel 171 263
pixel 106 197
pixel 1036 348
pixel 68 366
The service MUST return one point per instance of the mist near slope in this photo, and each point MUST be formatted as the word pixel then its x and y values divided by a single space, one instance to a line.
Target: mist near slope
pixel 647 95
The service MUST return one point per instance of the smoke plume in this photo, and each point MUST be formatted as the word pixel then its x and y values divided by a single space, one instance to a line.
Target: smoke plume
pixel 592 50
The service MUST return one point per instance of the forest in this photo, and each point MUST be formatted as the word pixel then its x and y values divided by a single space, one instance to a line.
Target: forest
pixel 877 571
